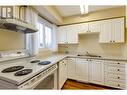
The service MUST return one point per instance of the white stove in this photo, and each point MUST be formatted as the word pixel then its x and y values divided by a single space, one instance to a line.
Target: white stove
pixel 39 70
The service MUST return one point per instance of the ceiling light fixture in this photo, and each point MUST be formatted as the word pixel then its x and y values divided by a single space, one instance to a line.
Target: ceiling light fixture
pixel 84 9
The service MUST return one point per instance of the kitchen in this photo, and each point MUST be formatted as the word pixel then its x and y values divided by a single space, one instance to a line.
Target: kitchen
pixel 57 47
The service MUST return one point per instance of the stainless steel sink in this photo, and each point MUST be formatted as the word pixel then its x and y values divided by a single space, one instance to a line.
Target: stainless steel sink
pixel 89 55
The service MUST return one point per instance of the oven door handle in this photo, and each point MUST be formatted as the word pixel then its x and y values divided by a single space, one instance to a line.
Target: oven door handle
pixel 33 85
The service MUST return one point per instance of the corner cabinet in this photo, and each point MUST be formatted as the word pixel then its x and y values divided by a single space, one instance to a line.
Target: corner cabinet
pixel 62 73
pixel 112 31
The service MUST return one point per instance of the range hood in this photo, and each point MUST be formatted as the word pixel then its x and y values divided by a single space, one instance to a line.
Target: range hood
pixel 17 25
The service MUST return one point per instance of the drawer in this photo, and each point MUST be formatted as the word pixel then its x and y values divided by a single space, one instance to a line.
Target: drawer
pixel 114 76
pixel 115 80
pixel 115 64
pixel 114 69
pixel 114 84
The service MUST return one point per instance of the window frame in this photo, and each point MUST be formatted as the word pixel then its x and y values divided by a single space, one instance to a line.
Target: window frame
pixel 45 24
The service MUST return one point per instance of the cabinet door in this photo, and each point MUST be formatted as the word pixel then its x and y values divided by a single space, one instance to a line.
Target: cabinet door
pixel 62 73
pixel 106 30
pixel 82 28
pixel 118 29
pixel 96 72
pixel 81 69
pixel 65 70
pixel 71 68
pixel 94 26
pixel 72 35
pixel 61 35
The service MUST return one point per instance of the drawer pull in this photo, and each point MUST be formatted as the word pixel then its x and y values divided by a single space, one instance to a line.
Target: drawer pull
pixel 118 69
pixel 118 77
pixel 118 63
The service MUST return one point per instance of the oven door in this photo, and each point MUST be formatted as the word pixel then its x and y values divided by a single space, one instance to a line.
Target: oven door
pixel 44 80
pixel 50 82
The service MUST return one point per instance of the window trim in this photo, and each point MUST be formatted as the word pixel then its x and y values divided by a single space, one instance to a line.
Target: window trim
pixel 45 24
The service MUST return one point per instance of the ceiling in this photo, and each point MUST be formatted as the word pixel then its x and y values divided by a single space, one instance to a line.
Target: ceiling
pixel 56 14
pixel 70 10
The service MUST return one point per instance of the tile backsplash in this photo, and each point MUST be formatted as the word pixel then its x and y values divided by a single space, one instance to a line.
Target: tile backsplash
pixel 91 44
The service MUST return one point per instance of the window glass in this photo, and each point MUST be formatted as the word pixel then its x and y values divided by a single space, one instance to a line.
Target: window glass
pixel 41 35
pixel 48 37
pixel 45 35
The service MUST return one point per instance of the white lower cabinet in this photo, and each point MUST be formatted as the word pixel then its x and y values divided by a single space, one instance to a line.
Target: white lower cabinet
pixel 62 73
pixel 86 70
pixel 103 72
pixel 81 69
pixel 71 68
pixel 96 71
pixel 115 74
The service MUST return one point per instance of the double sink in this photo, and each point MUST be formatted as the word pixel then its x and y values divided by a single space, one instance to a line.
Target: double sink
pixel 90 55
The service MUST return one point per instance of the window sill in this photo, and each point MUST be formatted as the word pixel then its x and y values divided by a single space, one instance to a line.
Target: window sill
pixel 44 49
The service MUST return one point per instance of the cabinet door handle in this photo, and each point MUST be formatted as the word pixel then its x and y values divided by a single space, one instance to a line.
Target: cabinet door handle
pixel 118 84
pixel 118 69
pixel 118 77
pixel 118 63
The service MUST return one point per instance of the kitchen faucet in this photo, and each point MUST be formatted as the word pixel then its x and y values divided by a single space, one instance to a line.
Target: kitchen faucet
pixel 87 53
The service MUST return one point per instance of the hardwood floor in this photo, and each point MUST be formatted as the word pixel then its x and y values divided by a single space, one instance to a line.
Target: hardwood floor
pixel 74 85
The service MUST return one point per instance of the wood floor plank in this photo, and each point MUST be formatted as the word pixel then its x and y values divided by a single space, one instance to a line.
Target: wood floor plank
pixel 74 85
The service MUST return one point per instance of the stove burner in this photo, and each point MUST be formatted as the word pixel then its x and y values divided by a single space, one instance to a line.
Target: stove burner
pixel 34 61
pixel 12 69
pixel 23 72
pixel 44 63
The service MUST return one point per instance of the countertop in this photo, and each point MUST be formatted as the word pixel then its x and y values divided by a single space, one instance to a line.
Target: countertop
pixel 55 58
pixel 111 58
pixel 27 65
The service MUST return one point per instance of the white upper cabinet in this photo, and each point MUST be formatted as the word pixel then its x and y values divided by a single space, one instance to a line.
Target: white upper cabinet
pixel 67 34
pixel 61 35
pixel 112 31
pixel 94 27
pixel 118 30
pixel 82 28
pixel 72 35
pixel 106 30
